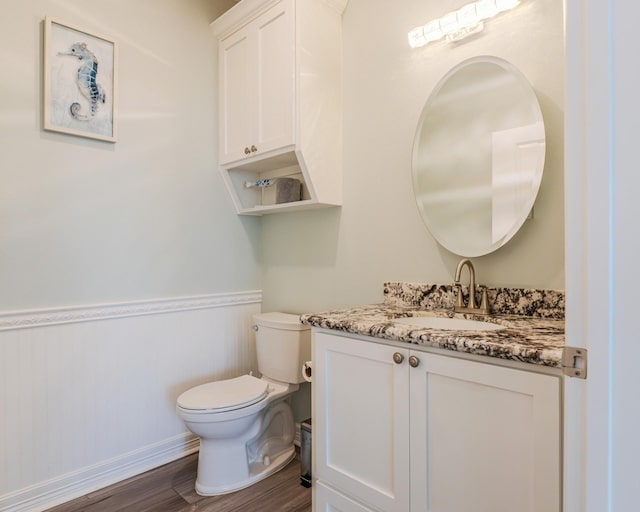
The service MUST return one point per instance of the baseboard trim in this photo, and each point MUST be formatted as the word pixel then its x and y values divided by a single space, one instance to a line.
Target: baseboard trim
pixel 59 490
pixel 54 316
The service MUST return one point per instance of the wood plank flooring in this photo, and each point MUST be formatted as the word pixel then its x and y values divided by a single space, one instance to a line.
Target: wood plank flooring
pixel 170 488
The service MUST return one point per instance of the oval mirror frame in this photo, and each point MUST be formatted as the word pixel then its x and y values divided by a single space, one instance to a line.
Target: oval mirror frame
pixel 478 156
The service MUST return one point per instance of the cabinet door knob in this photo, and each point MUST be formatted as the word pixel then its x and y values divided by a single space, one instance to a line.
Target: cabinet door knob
pixel 254 149
pixel 247 151
pixel 414 362
pixel 398 358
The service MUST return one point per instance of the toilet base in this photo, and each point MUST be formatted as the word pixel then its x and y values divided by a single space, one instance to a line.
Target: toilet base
pixel 257 471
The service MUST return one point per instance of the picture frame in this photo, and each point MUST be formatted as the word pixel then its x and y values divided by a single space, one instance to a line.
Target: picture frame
pixel 80 82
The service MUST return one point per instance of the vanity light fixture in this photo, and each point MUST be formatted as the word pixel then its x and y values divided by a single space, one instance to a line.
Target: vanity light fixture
pixel 459 24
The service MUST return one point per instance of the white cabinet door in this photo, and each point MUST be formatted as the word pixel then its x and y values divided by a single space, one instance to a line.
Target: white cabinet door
pixel 275 78
pixel 329 500
pixel 237 95
pixel 483 438
pixel 257 85
pixel 361 413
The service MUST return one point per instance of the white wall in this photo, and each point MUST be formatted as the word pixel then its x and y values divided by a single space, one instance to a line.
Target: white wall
pixel 337 257
pixel 125 275
pixel 84 221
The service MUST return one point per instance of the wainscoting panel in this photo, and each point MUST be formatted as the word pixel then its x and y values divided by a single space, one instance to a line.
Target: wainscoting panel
pixel 87 394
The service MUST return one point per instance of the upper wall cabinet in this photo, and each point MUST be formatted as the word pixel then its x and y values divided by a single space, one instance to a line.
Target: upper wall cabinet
pixel 280 104
pixel 257 86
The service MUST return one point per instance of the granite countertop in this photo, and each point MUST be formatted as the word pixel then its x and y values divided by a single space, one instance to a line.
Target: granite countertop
pixel 533 321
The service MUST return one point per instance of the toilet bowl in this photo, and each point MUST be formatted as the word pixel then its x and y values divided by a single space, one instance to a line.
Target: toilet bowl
pixel 245 424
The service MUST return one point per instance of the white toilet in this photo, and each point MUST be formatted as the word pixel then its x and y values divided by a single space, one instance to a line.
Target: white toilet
pixel 245 424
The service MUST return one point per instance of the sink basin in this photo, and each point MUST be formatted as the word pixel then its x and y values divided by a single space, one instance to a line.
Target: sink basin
pixel 451 324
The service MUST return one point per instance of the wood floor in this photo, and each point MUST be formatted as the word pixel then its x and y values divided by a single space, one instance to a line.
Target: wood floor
pixel 170 488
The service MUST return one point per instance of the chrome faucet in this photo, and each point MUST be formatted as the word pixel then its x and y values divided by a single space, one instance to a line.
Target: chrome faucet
pixel 471 306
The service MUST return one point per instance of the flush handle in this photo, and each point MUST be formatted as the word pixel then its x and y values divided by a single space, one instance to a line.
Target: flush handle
pixel 398 358
pixel 255 328
pixel 414 362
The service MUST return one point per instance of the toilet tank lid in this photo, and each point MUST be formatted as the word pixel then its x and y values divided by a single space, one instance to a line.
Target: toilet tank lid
pixel 287 321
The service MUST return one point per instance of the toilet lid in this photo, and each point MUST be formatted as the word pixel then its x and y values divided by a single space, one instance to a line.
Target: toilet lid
pixel 224 395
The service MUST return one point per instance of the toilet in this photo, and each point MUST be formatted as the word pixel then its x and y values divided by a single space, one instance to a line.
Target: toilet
pixel 245 424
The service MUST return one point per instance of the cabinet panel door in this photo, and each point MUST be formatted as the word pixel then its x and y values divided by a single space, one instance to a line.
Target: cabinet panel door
pixel 329 500
pixel 237 95
pixel 275 79
pixel 361 432
pixel 484 438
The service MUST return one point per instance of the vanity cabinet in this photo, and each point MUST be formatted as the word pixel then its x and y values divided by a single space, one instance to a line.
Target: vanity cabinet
pixel 279 77
pixel 399 430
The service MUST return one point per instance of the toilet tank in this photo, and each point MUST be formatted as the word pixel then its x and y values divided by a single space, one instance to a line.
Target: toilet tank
pixel 283 345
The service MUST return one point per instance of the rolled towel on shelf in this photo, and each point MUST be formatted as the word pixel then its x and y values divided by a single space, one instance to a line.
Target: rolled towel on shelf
pixel 267 182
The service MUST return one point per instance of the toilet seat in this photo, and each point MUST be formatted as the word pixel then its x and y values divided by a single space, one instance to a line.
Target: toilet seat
pixel 224 395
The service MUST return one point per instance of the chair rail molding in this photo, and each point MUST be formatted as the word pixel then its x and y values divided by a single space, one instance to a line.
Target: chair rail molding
pixel 73 314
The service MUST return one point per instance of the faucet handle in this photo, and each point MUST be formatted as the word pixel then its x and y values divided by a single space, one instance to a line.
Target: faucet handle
pixel 484 304
pixel 460 299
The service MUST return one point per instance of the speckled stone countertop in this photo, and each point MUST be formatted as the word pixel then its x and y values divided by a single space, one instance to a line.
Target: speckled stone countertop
pixel 533 321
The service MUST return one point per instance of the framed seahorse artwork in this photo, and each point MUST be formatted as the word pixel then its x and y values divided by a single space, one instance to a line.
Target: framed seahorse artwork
pixel 79 82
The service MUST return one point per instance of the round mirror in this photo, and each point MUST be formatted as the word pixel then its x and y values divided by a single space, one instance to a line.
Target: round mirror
pixel 478 156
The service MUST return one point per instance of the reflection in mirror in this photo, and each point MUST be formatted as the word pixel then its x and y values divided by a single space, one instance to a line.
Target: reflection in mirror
pixel 478 156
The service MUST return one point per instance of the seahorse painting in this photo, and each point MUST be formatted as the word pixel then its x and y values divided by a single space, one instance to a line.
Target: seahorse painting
pixel 87 81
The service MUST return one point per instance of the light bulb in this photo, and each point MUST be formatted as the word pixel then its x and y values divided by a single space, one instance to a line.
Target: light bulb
pixel 468 17
pixel 417 38
pixel 449 23
pixel 433 31
pixel 505 5
pixel 486 9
